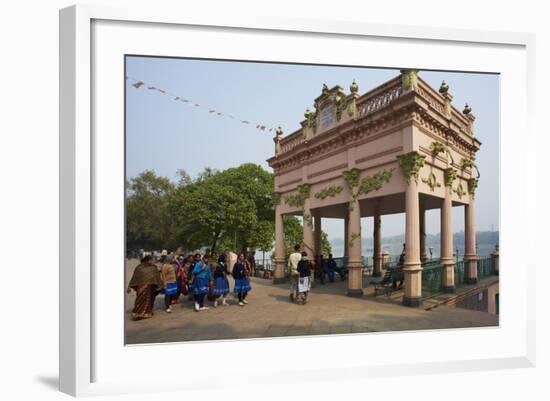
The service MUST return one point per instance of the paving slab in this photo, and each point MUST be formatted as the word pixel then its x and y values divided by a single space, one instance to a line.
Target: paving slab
pixel 270 314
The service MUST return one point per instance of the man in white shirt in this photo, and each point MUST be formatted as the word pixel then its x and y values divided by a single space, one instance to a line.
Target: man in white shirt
pixel 230 259
pixel 293 261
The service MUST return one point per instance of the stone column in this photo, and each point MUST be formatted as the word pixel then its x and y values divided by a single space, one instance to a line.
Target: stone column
pixel 308 231
pixel 377 255
pixel 447 259
pixel 422 220
pixel 317 234
pixel 470 256
pixel 279 260
pixel 412 268
pixel 346 235
pixel 355 262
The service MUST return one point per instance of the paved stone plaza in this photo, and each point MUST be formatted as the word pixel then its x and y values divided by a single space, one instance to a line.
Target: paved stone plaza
pixel 270 314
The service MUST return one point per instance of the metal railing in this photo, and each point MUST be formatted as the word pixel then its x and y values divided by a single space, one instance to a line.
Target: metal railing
pixel 485 268
pixel 459 274
pixel 432 278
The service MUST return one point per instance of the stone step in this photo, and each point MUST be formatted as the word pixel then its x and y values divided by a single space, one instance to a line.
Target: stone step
pixel 453 299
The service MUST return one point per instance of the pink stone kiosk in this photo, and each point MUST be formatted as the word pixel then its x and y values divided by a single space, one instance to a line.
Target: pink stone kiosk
pixel 401 147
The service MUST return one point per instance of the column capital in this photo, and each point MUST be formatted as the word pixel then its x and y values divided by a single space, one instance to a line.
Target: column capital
pixel 411 163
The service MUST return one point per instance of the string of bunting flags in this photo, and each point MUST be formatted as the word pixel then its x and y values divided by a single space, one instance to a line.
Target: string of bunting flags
pixel 139 84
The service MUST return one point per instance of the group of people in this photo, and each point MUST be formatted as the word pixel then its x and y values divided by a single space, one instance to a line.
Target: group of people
pixel 328 268
pixel 196 277
pixel 302 273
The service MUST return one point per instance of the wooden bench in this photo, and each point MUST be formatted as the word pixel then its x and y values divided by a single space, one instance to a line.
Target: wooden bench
pixel 386 285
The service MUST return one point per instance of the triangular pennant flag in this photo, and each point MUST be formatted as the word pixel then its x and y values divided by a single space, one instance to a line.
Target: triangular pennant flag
pixel 139 84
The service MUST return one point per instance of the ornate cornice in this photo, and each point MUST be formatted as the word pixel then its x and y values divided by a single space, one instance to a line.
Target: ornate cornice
pixel 349 134
pixel 404 110
pixel 425 120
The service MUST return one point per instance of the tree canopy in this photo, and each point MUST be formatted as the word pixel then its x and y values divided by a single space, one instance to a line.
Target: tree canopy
pixel 148 223
pixel 294 234
pixel 220 210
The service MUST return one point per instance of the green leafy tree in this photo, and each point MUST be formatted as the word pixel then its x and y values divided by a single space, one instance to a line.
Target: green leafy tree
pixel 184 179
pixel 326 248
pixel 230 209
pixel 148 224
pixel 233 207
pixel 294 234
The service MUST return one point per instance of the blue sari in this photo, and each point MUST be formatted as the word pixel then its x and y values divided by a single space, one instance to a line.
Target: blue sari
pixel 201 278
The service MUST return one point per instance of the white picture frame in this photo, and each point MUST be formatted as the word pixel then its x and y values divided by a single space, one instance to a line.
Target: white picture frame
pixel 90 364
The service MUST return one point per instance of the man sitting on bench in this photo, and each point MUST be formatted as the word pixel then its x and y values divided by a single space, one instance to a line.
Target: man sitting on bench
pixel 333 268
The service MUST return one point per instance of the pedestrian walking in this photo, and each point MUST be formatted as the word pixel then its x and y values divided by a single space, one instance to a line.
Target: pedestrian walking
pixel 304 279
pixel 242 284
pixel 202 276
pixel 170 284
pixel 251 259
pixel 189 265
pixel 146 282
pixel 221 284
pixel 293 261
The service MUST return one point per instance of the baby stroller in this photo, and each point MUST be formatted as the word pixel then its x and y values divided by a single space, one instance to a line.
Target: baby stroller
pixel 304 286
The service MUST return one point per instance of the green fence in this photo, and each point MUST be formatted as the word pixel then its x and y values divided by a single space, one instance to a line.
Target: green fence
pixel 432 275
pixel 432 278
pixel 485 268
pixel 459 274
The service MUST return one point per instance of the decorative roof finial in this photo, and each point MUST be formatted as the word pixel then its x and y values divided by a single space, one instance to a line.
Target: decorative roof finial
pixel 444 88
pixel 325 89
pixel 354 88
pixel 307 113
pixel 467 109
pixel 279 131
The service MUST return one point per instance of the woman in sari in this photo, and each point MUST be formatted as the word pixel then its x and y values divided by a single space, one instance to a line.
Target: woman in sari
pixel 189 266
pixel 242 284
pixel 146 282
pixel 182 276
pixel 213 266
pixel 178 265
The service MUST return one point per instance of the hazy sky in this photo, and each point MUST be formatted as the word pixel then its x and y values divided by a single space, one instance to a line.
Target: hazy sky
pixel 166 135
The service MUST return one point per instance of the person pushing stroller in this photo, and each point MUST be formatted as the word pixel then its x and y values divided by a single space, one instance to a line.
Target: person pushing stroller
pixel 304 279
